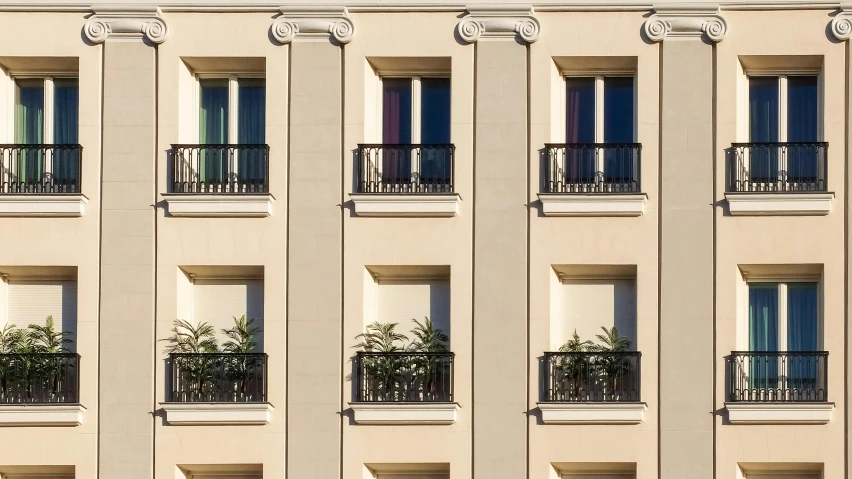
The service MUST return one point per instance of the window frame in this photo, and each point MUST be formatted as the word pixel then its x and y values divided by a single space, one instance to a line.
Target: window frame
pixel 48 85
pixel 599 77
pixel 782 282
pixel 233 101
pixel 416 101
pixel 782 76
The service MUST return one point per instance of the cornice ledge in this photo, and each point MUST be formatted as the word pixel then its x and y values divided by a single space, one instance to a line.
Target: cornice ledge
pixel 841 24
pixel 671 21
pixel 315 22
pixel 126 22
pixel 491 21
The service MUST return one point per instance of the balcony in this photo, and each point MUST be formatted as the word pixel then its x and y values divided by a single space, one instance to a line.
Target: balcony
pixel 41 180
pixel 406 180
pixel 218 388
pixel 219 181
pixel 778 388
pixel 592 387
pixel 403 388
pixel 40 389
pixel 592 179
pixel 779 179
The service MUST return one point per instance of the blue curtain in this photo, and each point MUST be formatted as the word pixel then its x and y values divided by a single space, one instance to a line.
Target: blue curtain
pixel 802 331
pixel 396 129
pixel 213 130
pixel 619 164
pixel 763 128
pixel 802 122
pixel 435 129
pixel 763 334
pixel 66 99
pixel 579 128
pixel 251 129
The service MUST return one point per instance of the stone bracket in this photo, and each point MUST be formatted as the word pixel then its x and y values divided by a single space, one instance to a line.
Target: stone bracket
pixel 499 22
pixel 686 21
pixel 120 22
pixel 841 24
pixel 313 22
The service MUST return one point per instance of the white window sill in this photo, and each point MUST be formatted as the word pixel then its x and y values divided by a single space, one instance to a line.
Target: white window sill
pixel 405 413
pixel 779 204
pixel 41 415
pixel 436 205
pixel 592 413
pixel 57 206
pixel 601 204
pixel 779 413
pixel 213 205
pixel 208 414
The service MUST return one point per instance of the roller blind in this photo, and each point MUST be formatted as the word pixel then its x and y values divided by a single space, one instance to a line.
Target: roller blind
pixel 217 302
pixel 32 302
pixel 598 476
pixel 403 301
pixel 413 476
pixel 590 304
pixel 37 476
pixel 781 475
pixel 227 476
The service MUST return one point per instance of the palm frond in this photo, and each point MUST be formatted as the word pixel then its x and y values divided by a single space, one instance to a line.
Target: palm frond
pixel 242 337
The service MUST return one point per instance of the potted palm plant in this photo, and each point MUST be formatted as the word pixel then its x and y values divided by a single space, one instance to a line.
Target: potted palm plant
pixel 382 373
pixel 614 366
pixel 44 340
pixel 428 368
pixel 572 371
pixel 242 339
pixel 193 339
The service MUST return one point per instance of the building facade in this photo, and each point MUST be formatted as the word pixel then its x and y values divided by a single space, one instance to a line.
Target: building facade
pixel 425 240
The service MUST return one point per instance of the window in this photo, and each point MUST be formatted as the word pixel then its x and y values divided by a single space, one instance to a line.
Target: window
pixel 403 301
pixel 416 111
pixel 784 109
pixel 46 113
pixel 600 110
pixel 218 302
pixel 31 302
pixel 588 305
pixel 232 111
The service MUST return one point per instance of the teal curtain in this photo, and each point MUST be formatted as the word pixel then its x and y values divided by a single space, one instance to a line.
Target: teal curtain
pixel 802 332
pixel 763 334
pixel 213 130
pixel 251 129
pixel 66 99
pixel 29 130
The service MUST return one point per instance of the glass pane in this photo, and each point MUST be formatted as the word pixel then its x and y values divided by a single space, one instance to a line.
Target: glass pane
pixel 435 163
pixel 802 313
pixel 213 130
pixel 618 110
pixel 396 129
pixel 252 111
pixel 66 99
pixel 763 128
pixel 29 112
pixel 763 316
pixel 580 110
pixel 802 160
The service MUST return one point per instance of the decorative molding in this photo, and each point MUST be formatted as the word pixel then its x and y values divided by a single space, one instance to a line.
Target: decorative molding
pixel 555 204
pixel 313 22
pixel 779 413
pixel 686 21
pixel 55 206
pixel 219 206
pixel 499 22
pixel 779 204
pixel 409 205
pixel 592 413
pixel 405 413
pixel 203 414
pixel 841 24
pixel 126 23
pixel 41 415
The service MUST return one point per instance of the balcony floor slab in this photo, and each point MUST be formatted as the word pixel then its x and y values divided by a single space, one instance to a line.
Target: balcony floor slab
pixel 592 413
pixel 779 413
pixel 779 204
pixel 41 414
pixel 221 206
pixel 439 205
pixel 405 413
pixel 35 205
pixel 600 204
pixel 204 414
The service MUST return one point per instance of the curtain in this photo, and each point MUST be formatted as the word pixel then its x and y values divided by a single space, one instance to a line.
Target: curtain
pixel 802 122
pixel 435 164
pixel 29 130
pixel 65 130
pixel 802 331
pixel 579 164
pixel 763 334
pixel 763 127
pixel 251 129
pixel 396 129
pixel 619 163
pixel 213 130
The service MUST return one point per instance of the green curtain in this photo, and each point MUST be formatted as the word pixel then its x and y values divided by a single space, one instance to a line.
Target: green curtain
pixel 66 99
pixel 29 130
pixel 213 130
pixel 251 129
pixel 763 334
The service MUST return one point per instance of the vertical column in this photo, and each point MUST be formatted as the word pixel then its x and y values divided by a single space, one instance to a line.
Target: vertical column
pixel 686 236
pixel 127 238
pixel 501 166
pixel 315 238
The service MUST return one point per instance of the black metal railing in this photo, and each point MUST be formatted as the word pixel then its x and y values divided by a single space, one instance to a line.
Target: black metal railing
pixel 220 169
pixel 593 168
pixel 40 169
pixel 39 378
pixel 403 377
pixel 218 377
pixel 778 376
pixel 406 168
pixel 592 377
pixel 779 167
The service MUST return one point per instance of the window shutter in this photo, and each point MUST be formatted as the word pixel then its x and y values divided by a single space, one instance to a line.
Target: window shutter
pixel 588 305
pixel 217 302
pixel 402 301
pixel 32 302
